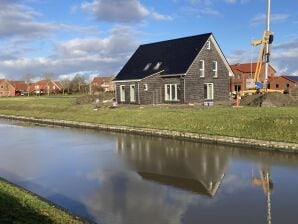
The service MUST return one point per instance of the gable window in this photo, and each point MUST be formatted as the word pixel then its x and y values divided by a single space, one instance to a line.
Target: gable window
pixel 208 91
pixel 158 64
pixel 147 67
pixel 208 45
pixel 172 92
pixel 132 93
pixel 122 93
pixel 202 68
pixel 145 87
pixel 214 69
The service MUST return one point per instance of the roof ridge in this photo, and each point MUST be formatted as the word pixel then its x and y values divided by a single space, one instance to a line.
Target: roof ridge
pixel 179 38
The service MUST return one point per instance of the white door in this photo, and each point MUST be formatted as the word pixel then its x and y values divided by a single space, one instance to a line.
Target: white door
pixel 132 93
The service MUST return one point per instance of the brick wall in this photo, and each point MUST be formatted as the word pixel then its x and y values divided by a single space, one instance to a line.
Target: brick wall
pixel 6 89
pixel 195 84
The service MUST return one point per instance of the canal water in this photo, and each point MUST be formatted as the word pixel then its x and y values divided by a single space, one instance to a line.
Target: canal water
pixel 120 178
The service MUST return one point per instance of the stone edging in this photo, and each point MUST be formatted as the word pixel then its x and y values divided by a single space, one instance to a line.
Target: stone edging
pixel 261 144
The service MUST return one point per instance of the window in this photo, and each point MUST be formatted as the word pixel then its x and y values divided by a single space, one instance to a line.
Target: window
pixel 277 86
pixel 214 68
pixel 250 76
pixel 147 67
pixel 172 92
pixel 158 64
pixel 208 91
pixel 122 93
pixel 208 45
pixel 288 85
pixel 145 87
pixel 202 68
pixel 132 93
pixel 237 88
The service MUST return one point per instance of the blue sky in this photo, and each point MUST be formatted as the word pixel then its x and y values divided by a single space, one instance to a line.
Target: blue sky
pixel 98 36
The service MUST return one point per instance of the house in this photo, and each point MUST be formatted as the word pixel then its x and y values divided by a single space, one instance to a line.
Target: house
pixel 21 88
pixel 243 72
pixel 46 87
pixel 283 82
pixel 175 164
pixel 185 70
pixel 103 82
pixel 6 89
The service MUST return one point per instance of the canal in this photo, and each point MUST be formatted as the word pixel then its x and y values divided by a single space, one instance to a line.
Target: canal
pixel 121 178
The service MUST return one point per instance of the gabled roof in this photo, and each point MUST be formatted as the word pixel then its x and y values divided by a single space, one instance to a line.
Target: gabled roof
pixel 101 80
pixel 246 67
pixel 19 85
pixel 292 77
pixel 175 57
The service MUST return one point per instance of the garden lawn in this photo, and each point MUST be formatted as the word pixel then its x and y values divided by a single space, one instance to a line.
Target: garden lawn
pixel 20 206
pixel 276 124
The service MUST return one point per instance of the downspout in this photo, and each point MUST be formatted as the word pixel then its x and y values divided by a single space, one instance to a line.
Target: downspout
pixel 139 101
pixel 184 96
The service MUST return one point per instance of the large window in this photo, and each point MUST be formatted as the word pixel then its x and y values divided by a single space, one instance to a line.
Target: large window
pixel 202 68
pixel 172 92
pixel 132 93
pixel 122 93
pixel 214 68
pixel 208 91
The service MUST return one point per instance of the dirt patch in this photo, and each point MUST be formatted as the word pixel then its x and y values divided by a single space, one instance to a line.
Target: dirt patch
pixel 269 100
pixel 98 98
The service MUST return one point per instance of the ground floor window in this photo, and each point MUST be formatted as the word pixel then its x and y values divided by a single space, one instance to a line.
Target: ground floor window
pixel 122 93
pixel 172 92
pixel 208 91
pixel 237 88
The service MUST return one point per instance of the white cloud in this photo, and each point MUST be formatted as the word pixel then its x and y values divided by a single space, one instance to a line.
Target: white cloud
pixel 105 55
pixel 121 11
pixel 261 18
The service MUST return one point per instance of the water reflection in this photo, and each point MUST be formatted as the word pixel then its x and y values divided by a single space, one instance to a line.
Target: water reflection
pixel 176 163
pixel 119 178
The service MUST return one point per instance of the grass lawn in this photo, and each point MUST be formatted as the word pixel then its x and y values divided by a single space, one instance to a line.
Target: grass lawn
pixel 277 124
pixel 19 206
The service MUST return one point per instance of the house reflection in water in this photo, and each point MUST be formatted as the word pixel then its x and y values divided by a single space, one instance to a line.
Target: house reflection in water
pixel 185 165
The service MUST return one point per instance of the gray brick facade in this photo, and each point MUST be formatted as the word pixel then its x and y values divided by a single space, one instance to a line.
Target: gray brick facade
pixel 190 86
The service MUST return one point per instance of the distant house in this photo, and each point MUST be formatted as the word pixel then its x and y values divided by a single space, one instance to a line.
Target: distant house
pixel 103 82
pixel 21 87
pixel 283 82
pixel 6 89
pixel 46 87
pixel 185 70
pixel 242 72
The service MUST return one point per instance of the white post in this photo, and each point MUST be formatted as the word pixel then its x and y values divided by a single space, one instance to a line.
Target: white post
pixel 267 44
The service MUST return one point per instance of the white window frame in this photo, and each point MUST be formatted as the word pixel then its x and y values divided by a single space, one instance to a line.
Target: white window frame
pixel 209 85
pixel 202 70
pixel 145 87
pixel 170 98
pixel 122 93
pixel 158 64
pixel 215 71
pixel 147 67
pixel 208 45
pixel 132 93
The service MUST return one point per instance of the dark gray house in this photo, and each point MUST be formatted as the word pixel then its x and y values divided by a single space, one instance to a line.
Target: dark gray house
pixel 185 70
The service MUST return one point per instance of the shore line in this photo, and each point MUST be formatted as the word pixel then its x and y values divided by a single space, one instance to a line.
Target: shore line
pixel 260 144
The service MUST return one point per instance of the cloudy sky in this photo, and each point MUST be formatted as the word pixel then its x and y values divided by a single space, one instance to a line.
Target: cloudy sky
pixel 98 36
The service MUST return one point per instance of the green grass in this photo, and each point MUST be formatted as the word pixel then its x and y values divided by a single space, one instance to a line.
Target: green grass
pixel 277 124
pixel 18 206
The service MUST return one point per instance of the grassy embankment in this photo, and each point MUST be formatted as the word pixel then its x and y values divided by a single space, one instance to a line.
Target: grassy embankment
pixel 277 124
pixel 19 206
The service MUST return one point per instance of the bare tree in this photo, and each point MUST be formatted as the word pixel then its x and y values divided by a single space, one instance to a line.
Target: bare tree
pixel 78 84
pixel 48 76
pixel 28 79
pixel 65 85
